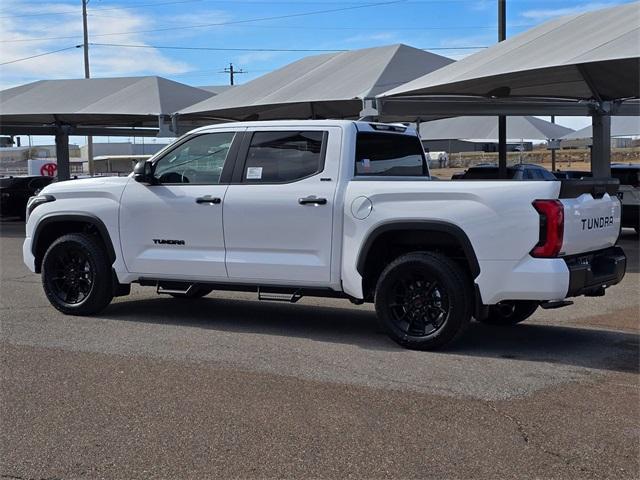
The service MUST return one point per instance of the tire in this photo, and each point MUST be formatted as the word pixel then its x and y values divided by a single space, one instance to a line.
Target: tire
pixel 423 300
pixel 195 292
pixel 76 275
pixel 510 313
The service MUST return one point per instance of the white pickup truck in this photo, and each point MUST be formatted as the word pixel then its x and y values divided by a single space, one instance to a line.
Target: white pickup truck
pixel 326 208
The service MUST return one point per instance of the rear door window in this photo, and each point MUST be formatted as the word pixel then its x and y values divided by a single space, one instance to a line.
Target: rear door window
pixel 283 157
pixel 387 154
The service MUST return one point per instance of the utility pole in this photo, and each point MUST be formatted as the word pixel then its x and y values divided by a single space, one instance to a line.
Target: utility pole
pixel 502 120
pixel 232 72
pixel 85 32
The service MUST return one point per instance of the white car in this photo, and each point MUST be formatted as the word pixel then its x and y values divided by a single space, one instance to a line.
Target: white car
pixel 327 208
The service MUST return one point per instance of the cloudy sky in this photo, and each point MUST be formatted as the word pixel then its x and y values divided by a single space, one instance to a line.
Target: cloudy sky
pixel 453 28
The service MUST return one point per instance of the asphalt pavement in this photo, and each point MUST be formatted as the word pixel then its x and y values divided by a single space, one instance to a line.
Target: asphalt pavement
pixel 229 387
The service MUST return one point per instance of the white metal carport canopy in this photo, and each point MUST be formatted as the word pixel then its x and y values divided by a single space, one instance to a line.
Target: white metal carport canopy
pixel 330 85
pixel 96 106
pixel 586 64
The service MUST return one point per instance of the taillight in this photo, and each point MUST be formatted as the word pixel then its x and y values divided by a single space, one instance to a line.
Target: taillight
pixel 551 228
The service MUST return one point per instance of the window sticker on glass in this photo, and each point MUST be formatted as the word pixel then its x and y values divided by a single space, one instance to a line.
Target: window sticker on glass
pixel 254 173
pixel 366 163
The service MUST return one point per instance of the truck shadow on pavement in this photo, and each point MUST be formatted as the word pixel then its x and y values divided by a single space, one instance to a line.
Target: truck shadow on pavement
pixel 572 346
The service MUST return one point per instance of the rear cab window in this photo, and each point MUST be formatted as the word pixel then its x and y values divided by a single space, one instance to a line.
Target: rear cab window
pixel 381 154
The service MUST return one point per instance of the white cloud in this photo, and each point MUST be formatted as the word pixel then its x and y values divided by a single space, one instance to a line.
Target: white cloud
pixel 256 57
pixel 372 37
pixel 104 61
pixel 547 13
pixel 481 5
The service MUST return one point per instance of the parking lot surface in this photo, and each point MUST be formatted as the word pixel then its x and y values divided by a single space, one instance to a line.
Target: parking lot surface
pixel 228 387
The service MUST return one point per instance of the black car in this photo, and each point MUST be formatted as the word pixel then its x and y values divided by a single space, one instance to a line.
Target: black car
pixel 15 191
pixel 521 171
pixel 629 193
pixel 569 174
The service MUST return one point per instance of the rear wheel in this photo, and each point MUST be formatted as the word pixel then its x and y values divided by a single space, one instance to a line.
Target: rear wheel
pixel 423 300
pixel 510 312
pixel 194 292
pixel 76 275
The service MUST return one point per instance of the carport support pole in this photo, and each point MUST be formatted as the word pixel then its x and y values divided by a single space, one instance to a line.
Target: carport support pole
pixel 502 120
pixel 553 152
pixel 502 146
pixel 62 153
pixel 601 151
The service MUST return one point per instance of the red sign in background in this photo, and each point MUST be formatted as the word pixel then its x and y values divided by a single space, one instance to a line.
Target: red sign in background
pixel 48 169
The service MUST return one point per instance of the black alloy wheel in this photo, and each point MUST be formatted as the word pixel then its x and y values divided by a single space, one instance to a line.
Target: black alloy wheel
pixel 423 300
pixel 420 306
pixel 71 275
pixel 76 275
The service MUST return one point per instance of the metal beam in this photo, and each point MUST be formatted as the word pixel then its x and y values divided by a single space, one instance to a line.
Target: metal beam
pixel 601 150
pixel 80 131
pixel 62 153
pixel 424 107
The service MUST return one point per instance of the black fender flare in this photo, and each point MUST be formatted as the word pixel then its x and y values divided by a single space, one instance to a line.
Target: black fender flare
pixel 424 225
pixel 83 218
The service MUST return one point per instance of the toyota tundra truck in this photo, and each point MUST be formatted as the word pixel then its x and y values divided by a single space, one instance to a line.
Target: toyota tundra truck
pixel 326 208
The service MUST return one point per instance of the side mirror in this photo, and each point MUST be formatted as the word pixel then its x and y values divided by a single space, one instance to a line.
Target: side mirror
pixel 143 173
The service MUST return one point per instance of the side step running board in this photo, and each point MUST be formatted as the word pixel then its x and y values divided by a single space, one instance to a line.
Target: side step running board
pixel 279 296
pixel 180 290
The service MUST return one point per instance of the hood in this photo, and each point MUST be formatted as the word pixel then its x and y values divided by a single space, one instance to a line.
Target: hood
pixel 85 184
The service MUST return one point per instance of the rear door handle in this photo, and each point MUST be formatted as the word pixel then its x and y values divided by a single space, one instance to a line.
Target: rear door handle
pixel 312 200
pixel 209 199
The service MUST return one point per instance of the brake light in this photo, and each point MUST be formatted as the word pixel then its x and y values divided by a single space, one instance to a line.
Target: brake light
pixel 551 228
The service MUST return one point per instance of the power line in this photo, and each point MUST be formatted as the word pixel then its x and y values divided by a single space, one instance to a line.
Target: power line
pixel 260 49
pixel 303 27
pixel 237 22
pixel 216 49
pixel 39 55
pixel 245 2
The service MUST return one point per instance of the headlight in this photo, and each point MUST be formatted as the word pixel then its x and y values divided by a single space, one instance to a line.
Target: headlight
pixel 38 200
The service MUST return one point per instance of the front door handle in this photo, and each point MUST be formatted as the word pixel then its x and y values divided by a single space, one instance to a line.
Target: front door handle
pixel 312 200
pixel 209 199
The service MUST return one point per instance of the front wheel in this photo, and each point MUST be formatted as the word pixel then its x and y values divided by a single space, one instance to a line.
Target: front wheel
pixel 510 312
pixel 76 275
pixel 423 300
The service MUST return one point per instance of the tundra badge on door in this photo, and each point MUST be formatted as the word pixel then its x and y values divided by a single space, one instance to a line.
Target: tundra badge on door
pixel 162 241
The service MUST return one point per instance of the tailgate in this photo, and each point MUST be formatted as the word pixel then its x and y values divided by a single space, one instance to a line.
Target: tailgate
pixel 591 214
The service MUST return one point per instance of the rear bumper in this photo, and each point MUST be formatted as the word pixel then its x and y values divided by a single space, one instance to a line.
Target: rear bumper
pixel 591 273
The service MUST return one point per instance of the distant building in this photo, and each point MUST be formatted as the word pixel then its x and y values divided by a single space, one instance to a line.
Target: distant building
pixel 13 160
pixel 583 143
pixel 458 146
pixel 6 142
pixel 122 149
